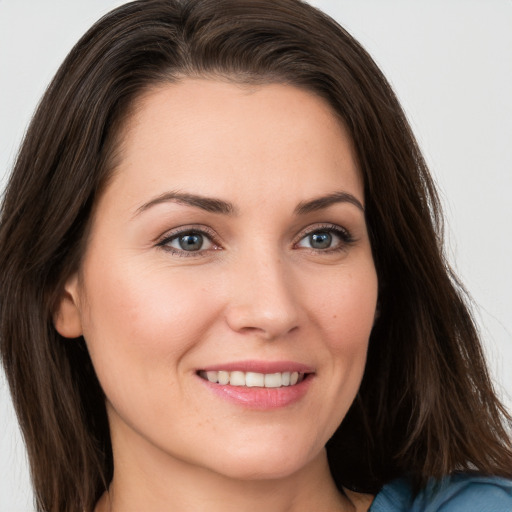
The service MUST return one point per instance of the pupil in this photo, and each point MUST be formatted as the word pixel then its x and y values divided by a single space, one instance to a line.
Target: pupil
pixel 320 240
pixel 191 242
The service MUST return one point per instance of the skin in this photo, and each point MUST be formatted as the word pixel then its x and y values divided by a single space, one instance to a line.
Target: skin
pixel 153 315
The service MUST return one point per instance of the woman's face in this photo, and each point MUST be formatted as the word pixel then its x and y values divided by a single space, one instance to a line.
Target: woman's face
pixel 230 244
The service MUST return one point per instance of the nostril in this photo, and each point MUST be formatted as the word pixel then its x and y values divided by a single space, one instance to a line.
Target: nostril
pixel 260 321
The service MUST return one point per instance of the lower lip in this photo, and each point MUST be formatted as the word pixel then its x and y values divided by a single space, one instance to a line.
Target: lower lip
pixel 261 398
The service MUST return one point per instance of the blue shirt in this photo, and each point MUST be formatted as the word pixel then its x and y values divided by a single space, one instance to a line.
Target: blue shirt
pixel 456 493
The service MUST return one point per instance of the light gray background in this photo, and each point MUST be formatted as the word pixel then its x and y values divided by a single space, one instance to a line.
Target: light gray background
pixel 450 62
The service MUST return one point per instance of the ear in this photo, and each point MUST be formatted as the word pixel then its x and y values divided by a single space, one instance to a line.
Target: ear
pixel 67 317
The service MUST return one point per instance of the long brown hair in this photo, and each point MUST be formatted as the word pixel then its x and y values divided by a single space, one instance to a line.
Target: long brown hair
pixel 426 406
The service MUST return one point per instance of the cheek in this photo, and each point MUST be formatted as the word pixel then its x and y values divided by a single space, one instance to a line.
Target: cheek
pixel 346 316
pixel 139 319
pixel 342 310
pixel 346 308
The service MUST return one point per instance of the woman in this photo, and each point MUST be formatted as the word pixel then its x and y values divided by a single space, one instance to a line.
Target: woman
pixel 220 255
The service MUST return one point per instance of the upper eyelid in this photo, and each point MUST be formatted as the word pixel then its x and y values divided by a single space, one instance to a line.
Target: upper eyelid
pixel 214 237
pixel 319 227
pixel 189 228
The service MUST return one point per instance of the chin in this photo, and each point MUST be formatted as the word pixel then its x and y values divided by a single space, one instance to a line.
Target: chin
pixel 261 464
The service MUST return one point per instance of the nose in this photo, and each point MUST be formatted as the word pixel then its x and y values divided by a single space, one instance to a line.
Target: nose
pixel 263 300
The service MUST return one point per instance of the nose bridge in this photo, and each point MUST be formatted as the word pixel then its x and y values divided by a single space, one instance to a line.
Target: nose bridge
pixel 262 297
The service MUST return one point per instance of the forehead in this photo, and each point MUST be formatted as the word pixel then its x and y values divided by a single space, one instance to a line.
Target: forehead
pixel 204 134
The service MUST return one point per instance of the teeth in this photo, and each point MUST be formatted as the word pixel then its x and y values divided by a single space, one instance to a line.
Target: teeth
pixel 273 380
pixel 223 377
pixel 212 376
pixel 253 379
pixel 237 379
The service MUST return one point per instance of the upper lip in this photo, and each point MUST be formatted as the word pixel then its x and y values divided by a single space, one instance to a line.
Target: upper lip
pixel 260 367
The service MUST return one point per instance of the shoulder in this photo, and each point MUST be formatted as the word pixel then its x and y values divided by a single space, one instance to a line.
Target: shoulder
pixel 455 493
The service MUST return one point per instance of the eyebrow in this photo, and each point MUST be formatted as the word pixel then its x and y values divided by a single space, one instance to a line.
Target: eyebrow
pixel 214 205
pixel 323 202
pixel 209 204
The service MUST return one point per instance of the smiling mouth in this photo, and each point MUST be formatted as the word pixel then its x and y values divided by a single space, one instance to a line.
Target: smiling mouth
pixel 253 379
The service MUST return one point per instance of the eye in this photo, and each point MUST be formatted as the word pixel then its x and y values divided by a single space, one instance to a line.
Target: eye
pixel 189 241
pixel 320 240
pixel 326 239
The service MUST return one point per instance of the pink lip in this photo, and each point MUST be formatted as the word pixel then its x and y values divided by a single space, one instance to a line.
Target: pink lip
pixel 260 367
pixel 261 398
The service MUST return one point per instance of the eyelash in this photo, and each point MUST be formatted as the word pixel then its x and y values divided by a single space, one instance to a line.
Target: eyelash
pixel 189 230
pixel 346 238
pixel 343 234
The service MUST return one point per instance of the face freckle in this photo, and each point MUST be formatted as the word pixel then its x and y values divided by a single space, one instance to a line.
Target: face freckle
pixel 264 288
